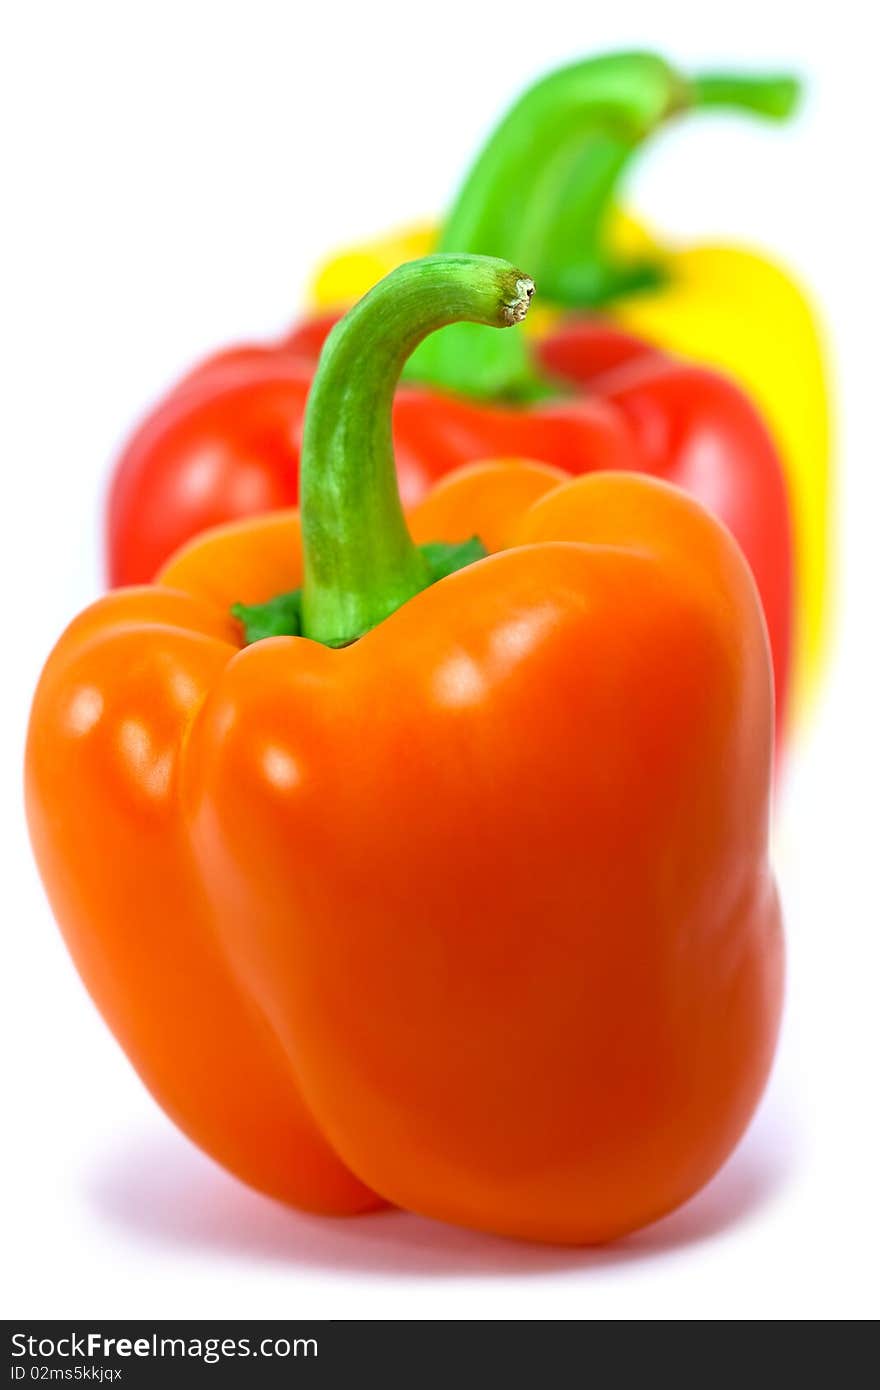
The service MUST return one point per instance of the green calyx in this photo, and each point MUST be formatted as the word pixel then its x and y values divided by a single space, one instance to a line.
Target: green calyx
pixel 360 562
pixel 281 616
pixel 542 189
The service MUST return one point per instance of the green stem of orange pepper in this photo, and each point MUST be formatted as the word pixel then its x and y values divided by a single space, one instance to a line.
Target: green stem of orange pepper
pixel 360 562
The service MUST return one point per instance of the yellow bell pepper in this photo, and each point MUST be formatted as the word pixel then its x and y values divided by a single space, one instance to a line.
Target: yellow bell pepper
pixel 727 306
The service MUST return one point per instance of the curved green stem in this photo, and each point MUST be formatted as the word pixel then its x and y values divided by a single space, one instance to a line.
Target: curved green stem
pixel 360 561
pixel 510 196
pixel 541 190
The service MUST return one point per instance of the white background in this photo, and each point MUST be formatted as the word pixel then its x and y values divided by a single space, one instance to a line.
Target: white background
pixel 170 173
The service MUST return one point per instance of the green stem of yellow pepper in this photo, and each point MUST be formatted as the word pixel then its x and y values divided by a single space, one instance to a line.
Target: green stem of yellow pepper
pixel 541 191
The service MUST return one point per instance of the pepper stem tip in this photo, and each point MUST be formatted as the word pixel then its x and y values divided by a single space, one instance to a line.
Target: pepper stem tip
pixel 517 307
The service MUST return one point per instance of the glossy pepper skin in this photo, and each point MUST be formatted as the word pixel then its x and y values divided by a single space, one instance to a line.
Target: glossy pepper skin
pixel 460 899
pixel 724 306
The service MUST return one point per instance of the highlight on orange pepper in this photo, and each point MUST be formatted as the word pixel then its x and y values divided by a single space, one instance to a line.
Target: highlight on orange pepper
pixel 455 894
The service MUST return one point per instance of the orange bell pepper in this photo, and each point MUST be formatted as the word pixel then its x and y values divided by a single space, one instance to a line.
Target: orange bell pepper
pixel 459 899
